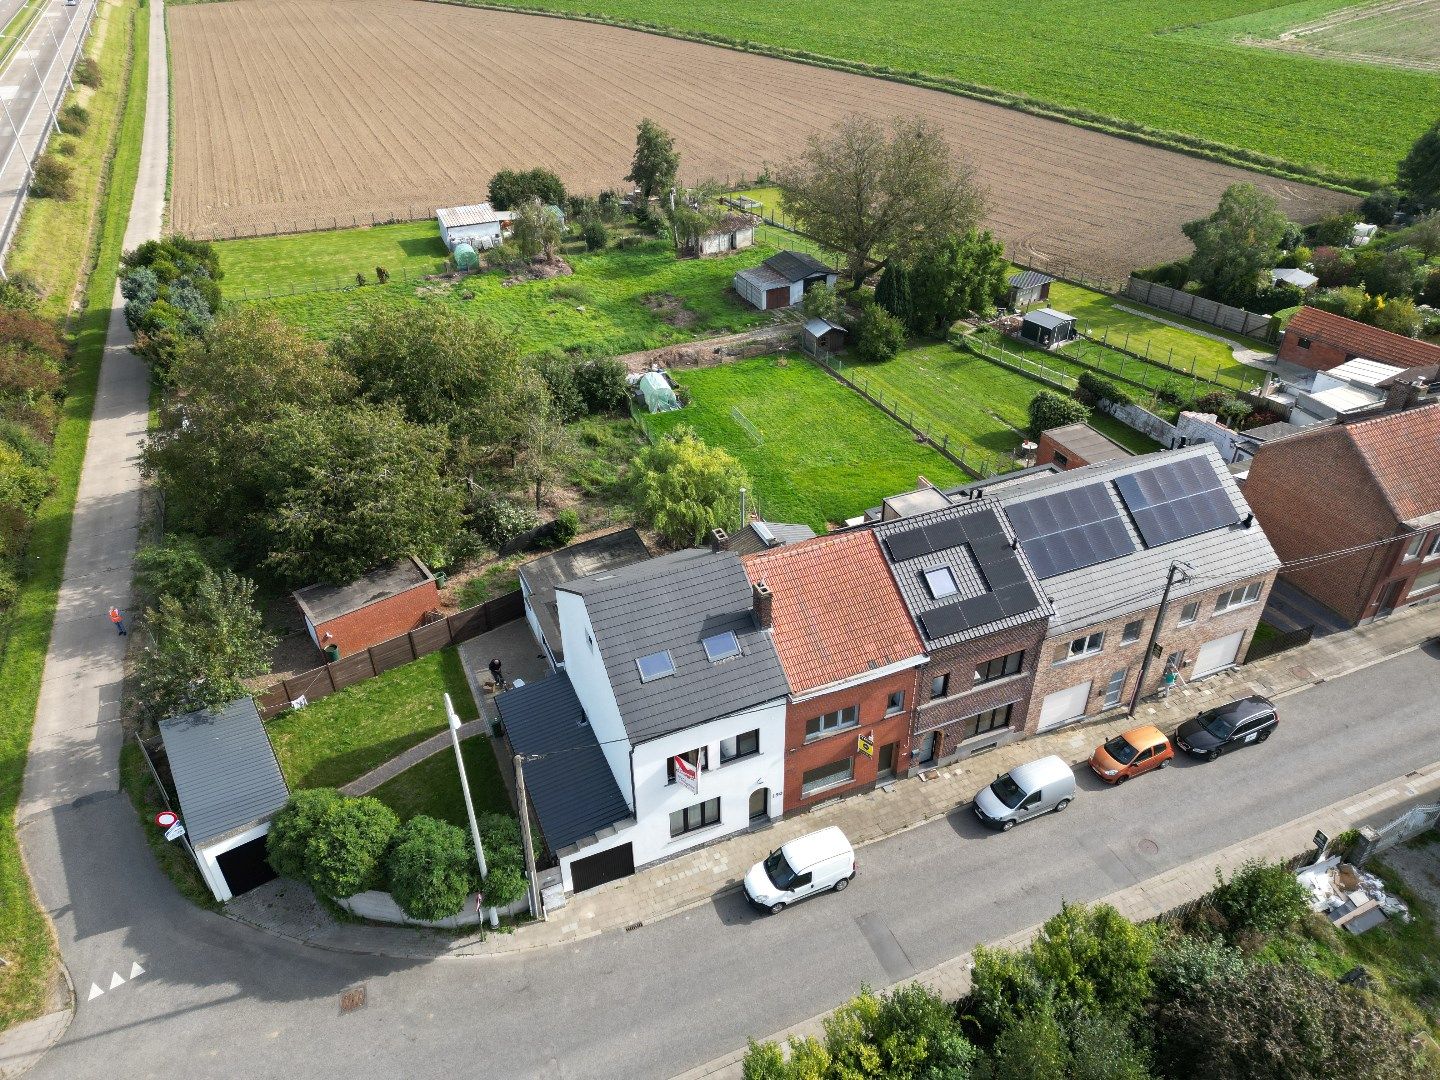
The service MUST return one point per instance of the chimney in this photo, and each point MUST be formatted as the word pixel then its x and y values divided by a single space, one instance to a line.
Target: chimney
pixel 762 605
pixel 719 540
pixel 1404 394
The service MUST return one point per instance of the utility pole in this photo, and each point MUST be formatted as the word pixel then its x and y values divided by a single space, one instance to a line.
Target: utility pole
pixel 1175 568
pixel 532 883
pixel 454 719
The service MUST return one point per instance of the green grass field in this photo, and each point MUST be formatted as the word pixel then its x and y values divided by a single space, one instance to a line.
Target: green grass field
pixel 432 788
pixel 826 455
pixel 302 260
pixel 1139 61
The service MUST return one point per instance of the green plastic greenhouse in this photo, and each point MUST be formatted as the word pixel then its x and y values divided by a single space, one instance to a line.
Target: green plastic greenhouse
pixel 656 391
pixel 465 257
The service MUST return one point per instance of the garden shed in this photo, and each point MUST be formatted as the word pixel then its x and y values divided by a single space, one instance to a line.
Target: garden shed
pixel 733 232
pixel 782 280
pixel 1047 327
pixel 480 225
pixel 1026 288
pixel 229 785
pixel 389 601
pixel 821 337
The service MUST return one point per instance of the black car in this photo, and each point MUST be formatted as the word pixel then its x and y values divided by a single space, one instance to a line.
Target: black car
pixel 1216 731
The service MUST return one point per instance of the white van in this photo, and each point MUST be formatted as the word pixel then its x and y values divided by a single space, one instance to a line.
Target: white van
pixel 805 866
pixel 1026 791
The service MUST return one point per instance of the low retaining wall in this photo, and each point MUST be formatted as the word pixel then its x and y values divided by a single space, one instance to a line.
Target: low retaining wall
pixel 381 907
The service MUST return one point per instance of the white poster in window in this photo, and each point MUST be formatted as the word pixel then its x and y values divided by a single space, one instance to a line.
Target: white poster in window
pixel 687 774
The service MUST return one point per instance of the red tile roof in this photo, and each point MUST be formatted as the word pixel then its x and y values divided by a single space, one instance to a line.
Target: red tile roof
pixel 836 608
pixel 1402 452
pixel 1370 342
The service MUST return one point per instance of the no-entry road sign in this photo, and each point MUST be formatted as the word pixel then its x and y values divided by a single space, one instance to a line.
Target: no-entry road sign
pixel 166 818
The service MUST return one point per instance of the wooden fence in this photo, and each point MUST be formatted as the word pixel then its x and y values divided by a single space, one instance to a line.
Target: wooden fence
pixel 322 681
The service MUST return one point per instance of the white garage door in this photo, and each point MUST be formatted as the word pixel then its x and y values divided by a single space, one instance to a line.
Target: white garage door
pixel 1217 654
pixel 1063 705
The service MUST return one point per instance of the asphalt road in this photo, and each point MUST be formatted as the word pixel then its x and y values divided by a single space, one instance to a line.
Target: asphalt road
pixel 218 999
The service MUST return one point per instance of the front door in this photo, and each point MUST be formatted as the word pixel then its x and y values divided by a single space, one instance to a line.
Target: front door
pixel 885 766
pixel 927 749
pixel 1389 598
pixel 760 804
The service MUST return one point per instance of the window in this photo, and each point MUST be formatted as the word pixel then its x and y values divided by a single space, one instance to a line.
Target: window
pixel 695 817
pixel 999 668
pixel 740 746
pixel 987 721
pixel 1131 633
pixel 1304 343
pixel 941 582
pixel 1434 548
pixel 1412 549
pixel 1088 645
pixel 655 666
pixel 826 776
pixel 699 757
pixel 1425 583
pixel 896 703
pixel 832 721
pixel 1115 687
pixel 1189 613
pixel 721 646
pixel 940 685
pixel 1238 597
pixel 1059 459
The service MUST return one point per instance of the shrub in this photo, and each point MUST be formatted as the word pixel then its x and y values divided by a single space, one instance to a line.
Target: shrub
pixel 879 335
pixel 559 532
pixel 1095 957
pixel 500 835
pixel 823 302
pixel 87 72
pixel 346 849
pixel 602 385
pixel 1260 898
pixel 570 290
pixel 558 372
pixel 173 568
pixel 497 520
pixel 1336 230
pixel 51 179
pixel 1103 1047
pixel 1399 316
pixel 1102 389
pixel 1187 963
pixel 292 827
pixel 74 119
pixel 1380 205
pixel 1003 985
pixel 431 868
pixel 1032 1048
pixel 1050 410
pixel 595 234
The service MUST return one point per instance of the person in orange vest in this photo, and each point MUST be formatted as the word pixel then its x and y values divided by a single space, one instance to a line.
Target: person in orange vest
pixel 118 620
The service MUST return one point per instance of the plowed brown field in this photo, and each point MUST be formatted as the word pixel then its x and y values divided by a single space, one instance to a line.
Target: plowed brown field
pixel 289 112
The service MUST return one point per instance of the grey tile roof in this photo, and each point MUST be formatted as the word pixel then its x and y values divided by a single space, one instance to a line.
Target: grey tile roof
pixel 1270 432
pixel 569 782
pixel 224 769
pixel 673 602
pixel 325 602
pixel 796 265
pixel 1049 318
pixel 762 277
pixel 909 573
pixel 747 541
pixel 1029 279
pixel 1133 582
pixel 541 575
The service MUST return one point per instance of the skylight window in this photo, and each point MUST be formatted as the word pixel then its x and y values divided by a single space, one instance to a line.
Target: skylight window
pixel 721 646
pixel 655 666
pixel 941 582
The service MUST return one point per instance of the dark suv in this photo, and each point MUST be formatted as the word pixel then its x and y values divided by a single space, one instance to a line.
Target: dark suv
pixel 1216 731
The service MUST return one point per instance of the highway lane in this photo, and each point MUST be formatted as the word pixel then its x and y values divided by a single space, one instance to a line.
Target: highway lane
pixel 220 999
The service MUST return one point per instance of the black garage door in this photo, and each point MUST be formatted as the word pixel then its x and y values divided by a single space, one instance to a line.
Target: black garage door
pixel 245 867
pixel 618 862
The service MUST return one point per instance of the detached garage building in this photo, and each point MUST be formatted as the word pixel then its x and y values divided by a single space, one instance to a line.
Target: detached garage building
pixel 389 601
pixel 782 280
pixel 230 786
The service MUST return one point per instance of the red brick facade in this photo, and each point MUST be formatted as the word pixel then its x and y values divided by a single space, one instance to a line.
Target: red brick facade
pixel 357 630
pixel 1312 353
pixel 1319 340
pixel 888 731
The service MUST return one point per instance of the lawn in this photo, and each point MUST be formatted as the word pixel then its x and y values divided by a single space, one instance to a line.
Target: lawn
pixel 1164 69
pixel 826 454
pixel 432 788
pixel 601 308
pixel 265 264
pixel 343 736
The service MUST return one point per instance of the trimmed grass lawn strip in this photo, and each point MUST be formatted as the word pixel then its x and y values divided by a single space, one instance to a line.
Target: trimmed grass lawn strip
pixel 25 938
pixel 174 859
pixel 432 787
pixel 827 453
pixel 341 737
pixel 305 260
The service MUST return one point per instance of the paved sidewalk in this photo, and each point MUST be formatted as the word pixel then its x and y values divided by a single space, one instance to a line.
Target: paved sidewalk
pixel 1150 898
pixel 695 877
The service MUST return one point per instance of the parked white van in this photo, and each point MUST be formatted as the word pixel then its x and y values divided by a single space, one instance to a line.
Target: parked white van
pixel 807 865
pixel 1026 791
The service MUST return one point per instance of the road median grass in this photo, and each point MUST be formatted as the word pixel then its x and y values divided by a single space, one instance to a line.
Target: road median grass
pixel 26 941
pixel 16 29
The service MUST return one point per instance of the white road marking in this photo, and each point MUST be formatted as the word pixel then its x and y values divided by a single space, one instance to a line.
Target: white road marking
pixel 95 991
pixel 116 980
pixel 27 54
pixel 136 969
pixel 1365 804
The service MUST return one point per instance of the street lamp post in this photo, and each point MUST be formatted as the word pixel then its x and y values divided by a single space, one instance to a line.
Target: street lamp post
pixel 454 718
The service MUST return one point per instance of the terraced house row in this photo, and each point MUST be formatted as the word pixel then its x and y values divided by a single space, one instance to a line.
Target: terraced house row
pixel 705 691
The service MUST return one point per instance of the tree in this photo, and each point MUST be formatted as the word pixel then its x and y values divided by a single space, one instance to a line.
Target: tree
pixel 595 234
pixel 1236 244
pixel 201 651
pixel 947 280
pixel 292 827
pixel 1419 171
pixel 352 488
pixel 536 231
pixel 876 196
pixel 879 335
pixel 685 488
pixel 1260 898
pixel 1003 985
pixel 892 292
pixel 1049 410
pixel 1424 235
pixel 1398 316
pixel 174 568
pixel 431 868
pixel 1094 958
pixel 822 302
pixel 656 162
pixel 907 1034
pixel 602 385
pixel 1335 230
pixel 1032 1048
pixel 544 448
pixel 1279 1021
pixel 510 188
pixel 1395 273
pixel 344 852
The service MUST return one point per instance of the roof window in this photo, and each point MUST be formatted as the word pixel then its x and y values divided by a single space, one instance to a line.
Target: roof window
pixel 721 646
pixel 941 582
pixel 655 666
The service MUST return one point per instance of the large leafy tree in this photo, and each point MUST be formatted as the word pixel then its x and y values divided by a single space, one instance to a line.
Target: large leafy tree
pixel 1094 958
pixel 1236 244
pixel 1419 171
pixel 656 161
pixel 509 188
pixel 875 195
pixel 544 447
pixel 945 281
pixel 685 488
pixel 536 231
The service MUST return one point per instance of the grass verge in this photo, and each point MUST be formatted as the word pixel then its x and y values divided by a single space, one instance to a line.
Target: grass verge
pixel 25 937
pixel 175 862
pixel 16 29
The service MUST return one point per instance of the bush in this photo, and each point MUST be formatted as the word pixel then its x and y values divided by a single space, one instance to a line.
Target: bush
pixel 1004 985
pixel 1103 1047
pixel 1102 389
pixel 1186 964
pixel 346 849
pixel 559 532
pixel 87 72
pixel 173 568
pixel 570 290
pixel 1260 898
pixel 1050 410
pixel 290 831
pixel 1094 957
pixel 504 859
pixel 558 372
pixel 1336 230
pixel 1381 205
pixel 1032 1048
pixel 879 335
pixel 823 302
pixel 602 386
pixel 595 234
pixel 74 119
pixel 51 179
pixel 431 868
pixel 685 488
pixel 497 520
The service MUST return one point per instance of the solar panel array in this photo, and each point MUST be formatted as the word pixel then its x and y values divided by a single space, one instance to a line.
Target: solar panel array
pixel 1070 530
pixel 1175 500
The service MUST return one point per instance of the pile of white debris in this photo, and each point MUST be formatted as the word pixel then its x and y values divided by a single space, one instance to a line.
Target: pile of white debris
pixel 1350 897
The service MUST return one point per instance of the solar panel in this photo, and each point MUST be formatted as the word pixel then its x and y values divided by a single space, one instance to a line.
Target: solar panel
pixel 946 534
pixel 944 621
pixel 910 544
pixel 979 610
pixel 1016 599
pixel 1003 571
pixel 1070 530
pixel 1175 500
pixel 982 523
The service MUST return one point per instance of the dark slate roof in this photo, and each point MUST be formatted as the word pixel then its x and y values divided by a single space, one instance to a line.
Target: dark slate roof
pixel 748 540
pixel 796 265
pixel 608 552
pixel 224 769
pixel 568 781
pixel 961 558
pixel 1270 432
pixel 1049 318
pixel 1029 279
pixel 325 602
pixel 674 602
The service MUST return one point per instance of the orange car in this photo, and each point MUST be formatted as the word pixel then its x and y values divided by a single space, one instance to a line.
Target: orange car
pixel 1135 752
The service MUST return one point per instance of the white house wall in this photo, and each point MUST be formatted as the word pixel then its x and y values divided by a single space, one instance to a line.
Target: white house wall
pixel 536 632
pixel 586 669
pixel 486 235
